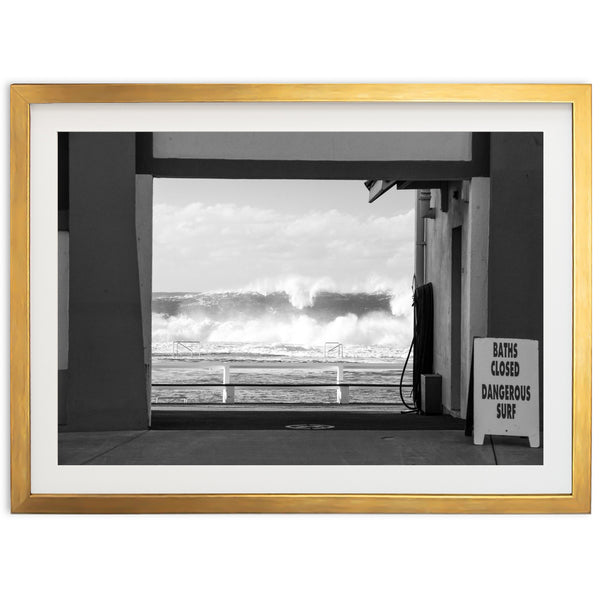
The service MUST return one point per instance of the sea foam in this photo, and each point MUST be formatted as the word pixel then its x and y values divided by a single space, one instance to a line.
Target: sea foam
pixel 287 320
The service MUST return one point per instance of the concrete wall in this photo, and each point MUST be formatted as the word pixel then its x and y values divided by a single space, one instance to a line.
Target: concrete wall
pixel 516 294
pixel 143 231
pixel 476 216
pixel 502 257
pixel 314 146
pixel 470 211
pixel 438 267
pixel 63 324
pixel 107 375
pixel 516 235
pixel 63 300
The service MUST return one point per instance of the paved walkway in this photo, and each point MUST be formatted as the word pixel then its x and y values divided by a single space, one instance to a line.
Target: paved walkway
pixel 291 447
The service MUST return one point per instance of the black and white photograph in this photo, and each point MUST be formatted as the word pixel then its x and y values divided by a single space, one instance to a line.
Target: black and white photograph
pixel 300 298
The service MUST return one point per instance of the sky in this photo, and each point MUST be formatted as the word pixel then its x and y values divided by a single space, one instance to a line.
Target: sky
pixel 264 235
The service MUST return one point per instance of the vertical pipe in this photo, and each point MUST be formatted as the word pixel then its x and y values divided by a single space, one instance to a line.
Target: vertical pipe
pixel 421 206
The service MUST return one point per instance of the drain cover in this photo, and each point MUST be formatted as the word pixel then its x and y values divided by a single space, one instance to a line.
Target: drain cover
pixel 309 426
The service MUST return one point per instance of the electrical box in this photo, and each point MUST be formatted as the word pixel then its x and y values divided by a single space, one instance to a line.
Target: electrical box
pixel 431 394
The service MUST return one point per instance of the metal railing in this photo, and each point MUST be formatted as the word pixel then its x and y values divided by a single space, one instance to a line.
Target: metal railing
pixel 186 345
pixel 330 347
pixel 341 386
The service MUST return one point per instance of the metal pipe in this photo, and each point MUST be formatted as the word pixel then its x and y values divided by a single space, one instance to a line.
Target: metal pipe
pixel 422 201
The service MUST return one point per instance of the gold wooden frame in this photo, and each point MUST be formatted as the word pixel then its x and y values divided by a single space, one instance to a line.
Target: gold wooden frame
pixel 23 501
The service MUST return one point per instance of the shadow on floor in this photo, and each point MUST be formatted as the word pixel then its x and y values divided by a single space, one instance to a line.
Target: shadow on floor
pixel 247 437
pixel 243 420
pixel 290 447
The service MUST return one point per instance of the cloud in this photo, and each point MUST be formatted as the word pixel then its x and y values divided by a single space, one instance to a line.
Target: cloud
pixel 229 245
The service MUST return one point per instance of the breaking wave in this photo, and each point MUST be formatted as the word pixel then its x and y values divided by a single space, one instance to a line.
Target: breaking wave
pixel 374 329
pixel 294 311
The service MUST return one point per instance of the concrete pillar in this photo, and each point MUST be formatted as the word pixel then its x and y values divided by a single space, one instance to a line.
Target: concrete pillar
pixel 516 235
pixel 143 229
pixel 107 383
pixel 63 324
pixel 516 250
pixel 476 215
pixel 438 270
pixel 422 199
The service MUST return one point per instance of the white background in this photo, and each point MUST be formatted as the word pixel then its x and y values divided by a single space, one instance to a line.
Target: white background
pixel 362 556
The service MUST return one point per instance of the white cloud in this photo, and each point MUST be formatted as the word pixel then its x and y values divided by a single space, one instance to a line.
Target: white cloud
pixel 228 245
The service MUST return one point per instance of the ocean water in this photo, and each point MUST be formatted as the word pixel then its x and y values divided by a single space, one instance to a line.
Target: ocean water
pixel 190 330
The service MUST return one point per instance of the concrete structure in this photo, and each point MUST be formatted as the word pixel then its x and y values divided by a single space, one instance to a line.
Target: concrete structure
pixel 484 186
pixel 104 385
pixel 455 262
pixel 483 253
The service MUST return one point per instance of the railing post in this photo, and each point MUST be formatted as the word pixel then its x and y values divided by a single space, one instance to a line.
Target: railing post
pixel 228 392
pixel 343 396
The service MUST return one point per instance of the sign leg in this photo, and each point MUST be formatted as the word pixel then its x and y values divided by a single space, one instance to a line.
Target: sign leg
pixel 478 438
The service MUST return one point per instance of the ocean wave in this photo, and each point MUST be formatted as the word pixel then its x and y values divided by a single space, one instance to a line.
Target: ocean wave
pixel 318 298
pixel 303 291
pixel 372 329
pixel 296 311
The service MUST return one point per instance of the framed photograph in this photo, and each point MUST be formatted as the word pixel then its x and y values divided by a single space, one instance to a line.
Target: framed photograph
pixel 301 298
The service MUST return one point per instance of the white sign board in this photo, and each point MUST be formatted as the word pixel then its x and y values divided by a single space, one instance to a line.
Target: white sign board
pixel 506 391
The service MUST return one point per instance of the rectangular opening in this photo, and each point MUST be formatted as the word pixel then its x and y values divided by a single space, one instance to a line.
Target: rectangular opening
pixel 280 280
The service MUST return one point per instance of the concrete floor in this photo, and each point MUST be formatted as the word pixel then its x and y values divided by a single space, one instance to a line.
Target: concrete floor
pixel 291 447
